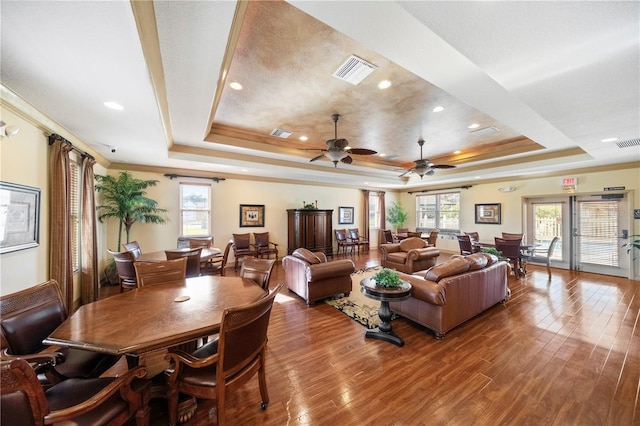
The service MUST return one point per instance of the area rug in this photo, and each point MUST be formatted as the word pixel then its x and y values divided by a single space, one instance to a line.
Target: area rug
pixel 357 306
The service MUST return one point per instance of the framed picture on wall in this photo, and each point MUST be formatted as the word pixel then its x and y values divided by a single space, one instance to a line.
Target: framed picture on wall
pixel 345 215
pixel 19 217
pixel 488 213
pixel 251 215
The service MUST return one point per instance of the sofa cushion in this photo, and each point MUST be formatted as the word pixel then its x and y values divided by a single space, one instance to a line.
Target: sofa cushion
pixel 451 267
pixel 491 258
pixel 477 261
pixel 306 255
pixel 398 257
pixel 412 243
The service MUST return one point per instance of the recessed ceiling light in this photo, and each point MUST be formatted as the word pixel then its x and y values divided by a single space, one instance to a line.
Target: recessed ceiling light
pixel 113 105
pixel 438 109
pixel 382 154
pixel 244 170
pixel 609 140
pixel 303 138
pixel 457 152
pixel 476 177
pixel 235 85
pixel 384 84
pixel 473 126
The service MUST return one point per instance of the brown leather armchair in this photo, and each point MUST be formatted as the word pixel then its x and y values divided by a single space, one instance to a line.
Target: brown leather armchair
pixel 409 255
pixel 310 276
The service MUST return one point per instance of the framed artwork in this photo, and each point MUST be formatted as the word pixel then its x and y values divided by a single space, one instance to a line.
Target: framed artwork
pixel 345 215
pixel 19 217
pixel 488 213
pixel 251 215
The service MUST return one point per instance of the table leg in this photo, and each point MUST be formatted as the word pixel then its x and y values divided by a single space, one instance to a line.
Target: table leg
pixel 384 331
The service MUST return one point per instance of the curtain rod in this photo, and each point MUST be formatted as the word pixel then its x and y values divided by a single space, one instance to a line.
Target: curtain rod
pixel 441 189
pixel 173 176
pixel 55 137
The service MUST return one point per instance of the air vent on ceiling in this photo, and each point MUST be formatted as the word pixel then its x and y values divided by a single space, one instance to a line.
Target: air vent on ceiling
pixel 354 70
pixel 485 131
pixel 628 143
pixel 281 133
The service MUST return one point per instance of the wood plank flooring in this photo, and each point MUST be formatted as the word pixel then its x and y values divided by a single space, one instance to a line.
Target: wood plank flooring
pixel 559 352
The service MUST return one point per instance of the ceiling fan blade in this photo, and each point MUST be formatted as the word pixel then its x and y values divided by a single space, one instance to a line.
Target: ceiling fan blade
pixel 361 151
pixel 442 166
pixel 347 160
pixel 406 172
pixel 317 158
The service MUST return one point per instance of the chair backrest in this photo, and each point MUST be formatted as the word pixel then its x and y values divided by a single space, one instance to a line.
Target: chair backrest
pixel 241 241
pixel 474 235
pixel 414 234
pixel 23 401
pixel 259 270
pixel 195 242
pixel 465 244
pixel 552 246
pixel 402 230
pixel 388 236
pixel 124 264
pixel 192 256
pixel 341 235
pixel 508 236
pixel 433 237
pixel 261 239
pixel 354 234
pixel 161 272
pixel 508 247
pixel 133 247
pixel 28 316
pixel 243 334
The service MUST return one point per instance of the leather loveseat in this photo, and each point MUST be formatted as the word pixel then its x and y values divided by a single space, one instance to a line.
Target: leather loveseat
pixel 409 255
pixel 453 292
pixel 310 276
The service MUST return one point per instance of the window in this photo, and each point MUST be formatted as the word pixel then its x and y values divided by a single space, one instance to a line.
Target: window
pixel 374 210
pixel 547 223
pixel 438 211
pixel 195 209
pixel 74 169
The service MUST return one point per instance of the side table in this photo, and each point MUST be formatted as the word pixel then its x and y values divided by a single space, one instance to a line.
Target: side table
pixel 385 295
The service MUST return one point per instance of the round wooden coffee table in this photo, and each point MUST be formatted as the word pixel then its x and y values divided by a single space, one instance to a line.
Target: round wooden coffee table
pixel 385 295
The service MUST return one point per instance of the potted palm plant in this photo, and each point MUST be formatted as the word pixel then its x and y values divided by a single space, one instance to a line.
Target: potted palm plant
pixel 125 199
pixel 396 215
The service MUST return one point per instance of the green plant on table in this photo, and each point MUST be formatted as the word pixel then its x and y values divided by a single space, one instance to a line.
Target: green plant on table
pixel 491 250
pixel 387 278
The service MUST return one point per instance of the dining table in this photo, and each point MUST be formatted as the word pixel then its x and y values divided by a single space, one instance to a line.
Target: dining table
pixel 153 317
pixel 206 254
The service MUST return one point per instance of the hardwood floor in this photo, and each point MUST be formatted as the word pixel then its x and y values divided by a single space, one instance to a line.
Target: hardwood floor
pixel 559 352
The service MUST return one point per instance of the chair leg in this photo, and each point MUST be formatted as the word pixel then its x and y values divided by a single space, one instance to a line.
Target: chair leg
pixel 262 381
pixel 172 403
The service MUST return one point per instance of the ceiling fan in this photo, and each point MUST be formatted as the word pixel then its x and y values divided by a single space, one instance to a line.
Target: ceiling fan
pixel 424 166
pixel 339 149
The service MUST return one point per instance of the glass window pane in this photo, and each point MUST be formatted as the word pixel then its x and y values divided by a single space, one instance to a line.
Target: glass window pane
pixel 195 209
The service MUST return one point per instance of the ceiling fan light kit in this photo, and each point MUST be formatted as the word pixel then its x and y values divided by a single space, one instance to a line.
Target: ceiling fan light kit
pixel 424 166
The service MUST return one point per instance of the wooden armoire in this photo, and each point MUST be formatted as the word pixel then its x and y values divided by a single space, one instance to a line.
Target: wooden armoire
pixel 311 229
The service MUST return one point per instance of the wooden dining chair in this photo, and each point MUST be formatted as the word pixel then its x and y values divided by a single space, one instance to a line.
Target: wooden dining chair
pixel 510 248
pixel 160 272
pixel 192 256
pixel 464 241
pixel 474 236
pixel 124 265
pixel 432 239
pixel 510 236
pixel 133 247
pixel 360 241
pixel 205 242
pixel 225 363
pixel 343 242
pixel 242 247
pixel 108 400
pixel 217 265
pixel 259 270
pixel 264 247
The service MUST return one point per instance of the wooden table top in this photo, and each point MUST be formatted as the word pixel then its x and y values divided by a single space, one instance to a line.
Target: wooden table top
pixel 149 318
pixel 159 256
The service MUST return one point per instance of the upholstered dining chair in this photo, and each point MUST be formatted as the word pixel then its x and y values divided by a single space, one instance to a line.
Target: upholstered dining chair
pixel 133 247
pixel 192 256
pixel 27 317
pixel 109 400
pixel 343 242
pixel 218 264
pixel 159 272
pixel 225 363
pixel 387 237
pixel 402 233
pixel 259 270
pixel 464 241
pixel 354 236
pixel 432 239
pixel 474 236
pixel 411 234
pixel 510 248
pixel 264 247
pixel 510 236
pixel 126 273
pixel 242 247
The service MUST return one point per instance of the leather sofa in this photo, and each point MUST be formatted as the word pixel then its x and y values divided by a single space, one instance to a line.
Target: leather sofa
pixel 409 255
pixel 453 292
pixel 310 276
